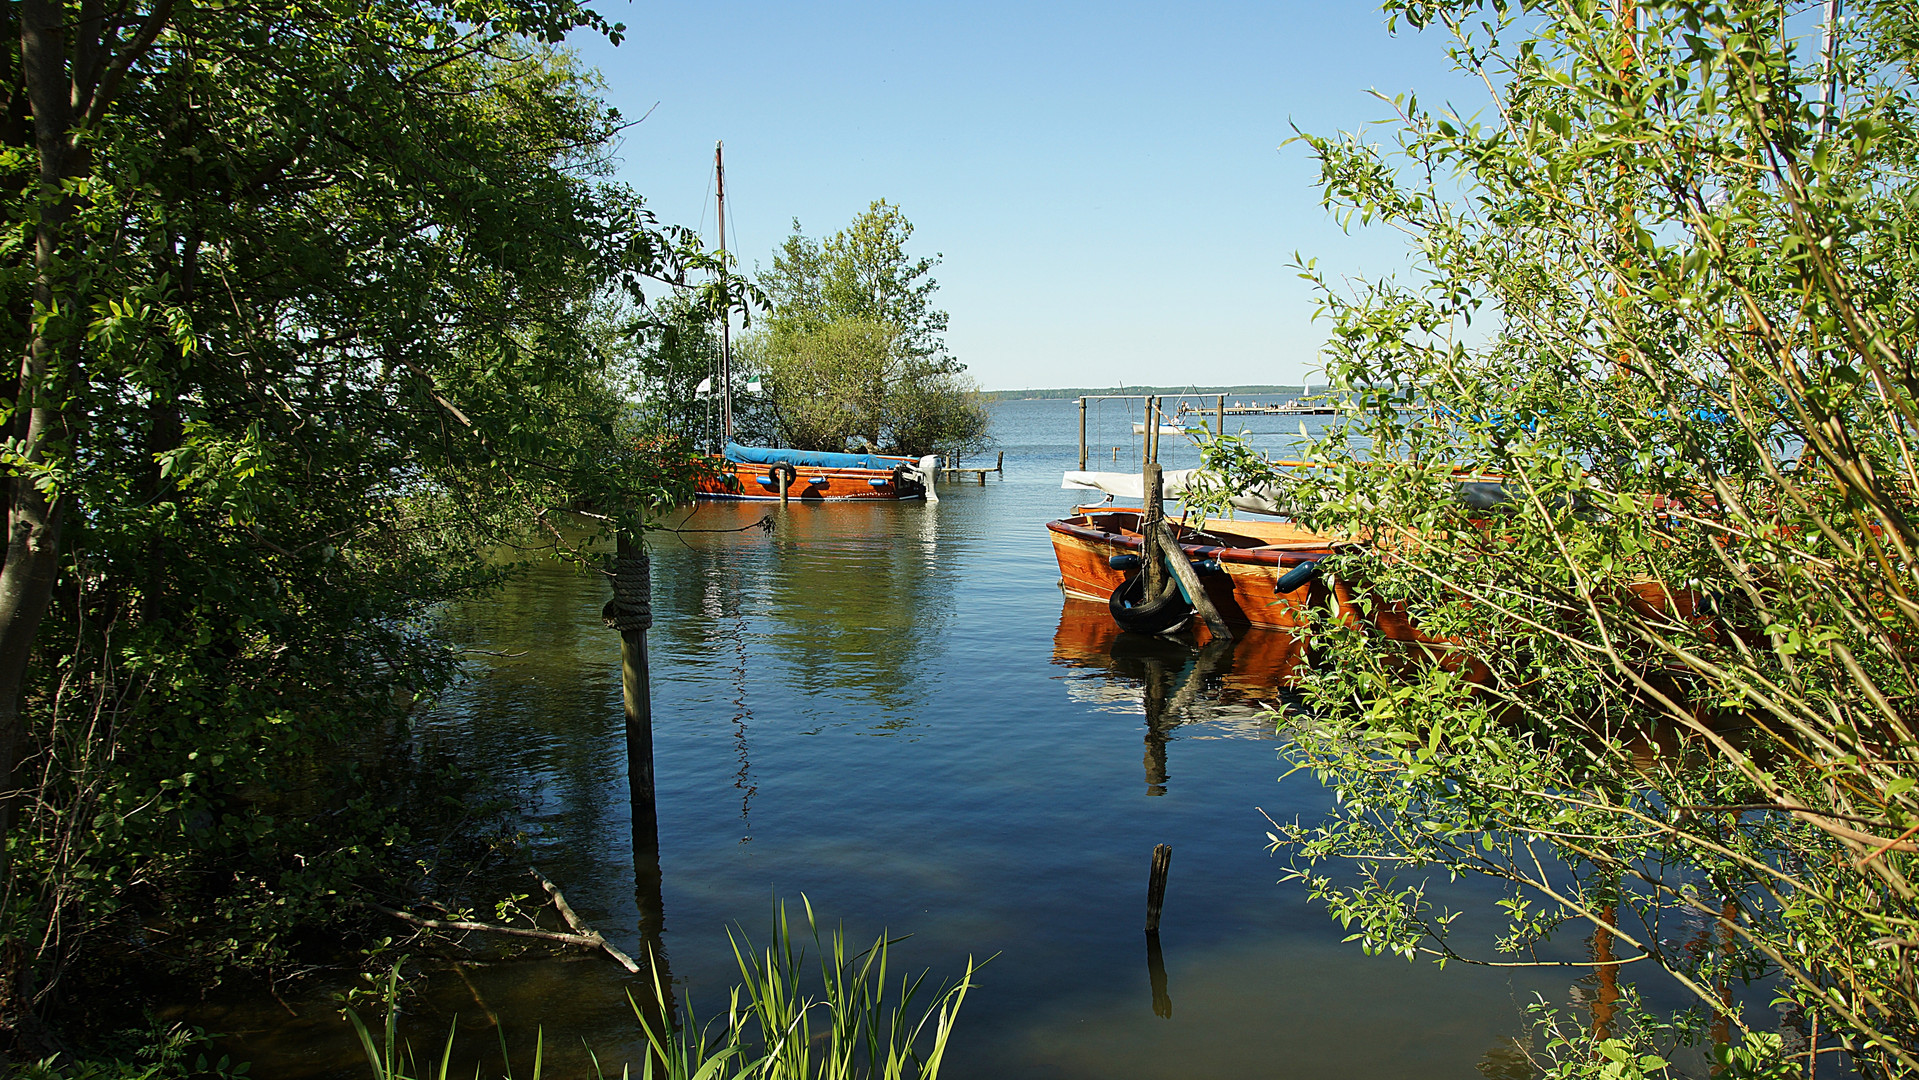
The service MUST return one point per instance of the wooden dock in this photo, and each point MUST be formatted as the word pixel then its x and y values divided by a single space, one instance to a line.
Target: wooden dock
pixel 1291 408
pixel 954 472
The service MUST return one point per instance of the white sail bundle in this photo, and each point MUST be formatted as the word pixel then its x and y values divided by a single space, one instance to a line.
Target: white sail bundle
pixel 1262 499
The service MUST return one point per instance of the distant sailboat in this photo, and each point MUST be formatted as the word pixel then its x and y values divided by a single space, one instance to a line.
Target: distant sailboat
pixel 766 473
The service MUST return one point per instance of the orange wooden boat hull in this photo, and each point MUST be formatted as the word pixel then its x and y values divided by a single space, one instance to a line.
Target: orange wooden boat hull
pixel 1243 593
pixel 746 482
pixel 1254 556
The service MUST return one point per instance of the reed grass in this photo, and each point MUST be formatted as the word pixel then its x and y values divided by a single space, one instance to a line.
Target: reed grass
pixel 831 1014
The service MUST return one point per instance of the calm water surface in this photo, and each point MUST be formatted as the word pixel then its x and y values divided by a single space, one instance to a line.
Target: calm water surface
pixel 893 711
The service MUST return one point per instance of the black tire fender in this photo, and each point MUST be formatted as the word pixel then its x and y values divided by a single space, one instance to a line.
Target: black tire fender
pixel 773 476
pixel 1161 615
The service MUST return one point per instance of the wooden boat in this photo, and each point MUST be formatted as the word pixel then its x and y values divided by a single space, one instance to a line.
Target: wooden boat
pixel 1262 574
pixel 772 474
pixel 755 474
pixel 1256 560
pixel 1248 560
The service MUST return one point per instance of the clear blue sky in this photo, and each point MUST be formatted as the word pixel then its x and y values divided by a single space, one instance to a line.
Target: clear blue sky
pixel 1105 182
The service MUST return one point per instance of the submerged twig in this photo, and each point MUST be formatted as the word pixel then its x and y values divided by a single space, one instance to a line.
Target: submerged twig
pixel 580 925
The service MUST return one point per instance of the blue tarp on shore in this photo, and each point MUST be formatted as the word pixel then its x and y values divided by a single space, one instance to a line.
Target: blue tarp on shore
pixel 816 459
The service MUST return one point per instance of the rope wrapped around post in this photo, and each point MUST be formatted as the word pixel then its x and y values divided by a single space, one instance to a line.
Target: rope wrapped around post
pixel 632 605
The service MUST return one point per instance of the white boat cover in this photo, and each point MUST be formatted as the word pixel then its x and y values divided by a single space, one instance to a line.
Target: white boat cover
pixel 1264 499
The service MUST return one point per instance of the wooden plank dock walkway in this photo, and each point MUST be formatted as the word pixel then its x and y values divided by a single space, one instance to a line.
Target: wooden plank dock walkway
pixel 954 472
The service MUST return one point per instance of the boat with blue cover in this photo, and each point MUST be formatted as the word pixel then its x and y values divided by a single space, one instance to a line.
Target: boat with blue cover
pixel 764 473
pixel 776 474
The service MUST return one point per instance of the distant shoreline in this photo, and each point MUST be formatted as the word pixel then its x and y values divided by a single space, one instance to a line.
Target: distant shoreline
pixel 1281 389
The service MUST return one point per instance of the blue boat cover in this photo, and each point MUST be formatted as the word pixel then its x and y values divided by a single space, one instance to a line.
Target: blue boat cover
pixel 813 459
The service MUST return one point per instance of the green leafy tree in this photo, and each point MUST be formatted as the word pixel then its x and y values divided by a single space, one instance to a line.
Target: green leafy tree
pixel 675 352
pixel 852 351
pixel 860 272
pixel 302 296
pixel 1667 680
pixel 831 388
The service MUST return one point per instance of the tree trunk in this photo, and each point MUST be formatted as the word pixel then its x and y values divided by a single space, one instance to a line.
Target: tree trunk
pixel 35 516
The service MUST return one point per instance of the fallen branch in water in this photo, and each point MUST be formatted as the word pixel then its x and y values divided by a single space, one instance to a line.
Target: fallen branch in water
pixel 485 928
pixel 580 925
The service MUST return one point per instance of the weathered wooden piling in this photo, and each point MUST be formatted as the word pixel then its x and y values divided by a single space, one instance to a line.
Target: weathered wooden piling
pixel 1082 434
pixel 631 613
pixel 1151 522
pixel 1189 581
pixel 952 470
pixel 1156 886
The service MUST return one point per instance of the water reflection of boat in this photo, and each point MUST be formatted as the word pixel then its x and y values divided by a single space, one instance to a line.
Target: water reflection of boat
pixel 1256 667
pixel 1220 685
pixel 1254 557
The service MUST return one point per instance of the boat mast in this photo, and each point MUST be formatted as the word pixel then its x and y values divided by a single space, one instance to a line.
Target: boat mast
pixel 1829 48
pixel 726 308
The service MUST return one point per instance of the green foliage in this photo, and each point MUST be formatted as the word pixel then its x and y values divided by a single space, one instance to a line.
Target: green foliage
pixel 318 316
pixel 851 355
pixel 675 347
pixel 670 349
pixel 1664 690
pixel 174 1053
pixel 867 1024
pixel 830 384
pixel 1637 1044
pixel 861 272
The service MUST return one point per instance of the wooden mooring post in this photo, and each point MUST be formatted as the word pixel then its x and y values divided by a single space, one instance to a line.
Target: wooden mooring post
pixel 1190 584
pixel 1156 886
pixel 1082 434
pixel 1151 521
pixel 631 613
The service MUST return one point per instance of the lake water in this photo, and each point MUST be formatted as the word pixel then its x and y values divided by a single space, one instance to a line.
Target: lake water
pixel 892 711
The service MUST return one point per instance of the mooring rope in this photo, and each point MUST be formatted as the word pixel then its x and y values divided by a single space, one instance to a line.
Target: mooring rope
pixel 632 605
pixel 764 524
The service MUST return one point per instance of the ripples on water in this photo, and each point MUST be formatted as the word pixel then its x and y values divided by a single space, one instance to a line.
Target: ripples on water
pixel 892 710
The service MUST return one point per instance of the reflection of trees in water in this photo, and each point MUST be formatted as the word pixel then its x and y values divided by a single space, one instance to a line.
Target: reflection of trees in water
pixel 547 708
pixel 701 585
pixel 844 598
